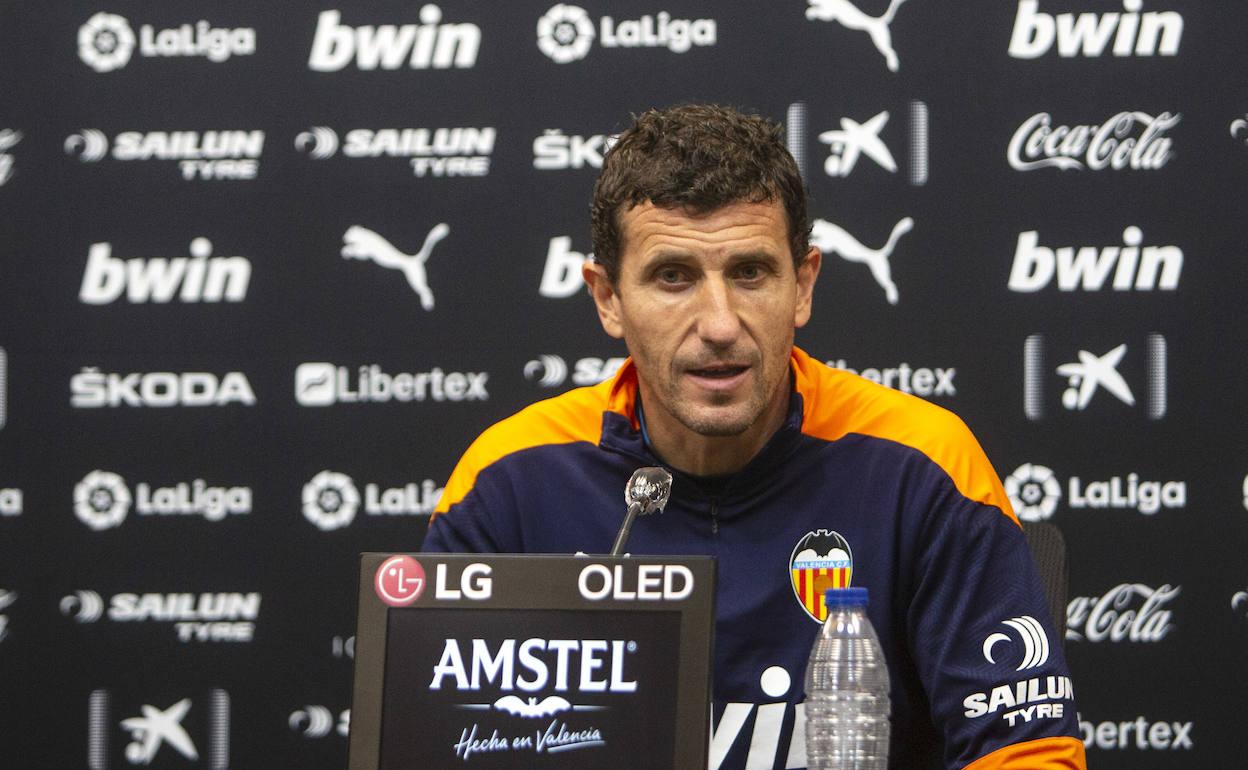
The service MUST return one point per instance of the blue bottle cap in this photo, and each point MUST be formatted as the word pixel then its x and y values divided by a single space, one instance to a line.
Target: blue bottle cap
pixel 855 596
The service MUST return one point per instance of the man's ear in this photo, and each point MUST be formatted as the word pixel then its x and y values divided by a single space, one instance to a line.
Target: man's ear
pixel 807 273
pixel 606 298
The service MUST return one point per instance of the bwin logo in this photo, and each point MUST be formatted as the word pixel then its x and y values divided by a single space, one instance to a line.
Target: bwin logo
pixel 362 243
pixel 1089 267
pixel 161 280
pixel 83 606
pixel 561 276
pixel 1089 34
pixel 428 45
pixel 851 17
pixel 320 142
pixel 330 500
pixel 1031 633
pixel 831 239
pixel 550 371
pixel 89 145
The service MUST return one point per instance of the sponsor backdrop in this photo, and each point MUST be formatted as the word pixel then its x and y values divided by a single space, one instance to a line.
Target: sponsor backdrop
pixel 266 271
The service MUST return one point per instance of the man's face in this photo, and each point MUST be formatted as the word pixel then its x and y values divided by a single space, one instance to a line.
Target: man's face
pixel 707 304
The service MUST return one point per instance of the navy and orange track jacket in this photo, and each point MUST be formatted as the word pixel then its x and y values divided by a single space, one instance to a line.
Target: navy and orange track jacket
pixel 862 485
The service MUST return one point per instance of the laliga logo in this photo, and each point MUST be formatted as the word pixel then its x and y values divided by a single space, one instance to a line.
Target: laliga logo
pixel 1035 642
pixel 105 42
pixel 330 500
pixel 320 142
pixel 550 370
pixel 101 500
pixel 400 580
pixel 1034 492
pixel 83 606
pixel 89 144
pixel 565 33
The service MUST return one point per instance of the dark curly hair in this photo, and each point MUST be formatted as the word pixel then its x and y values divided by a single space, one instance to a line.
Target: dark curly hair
pixel 701 157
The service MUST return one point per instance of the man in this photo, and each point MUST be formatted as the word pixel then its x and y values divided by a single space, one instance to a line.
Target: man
pixel 702 266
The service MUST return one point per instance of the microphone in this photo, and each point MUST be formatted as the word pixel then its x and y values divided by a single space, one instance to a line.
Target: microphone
pixel 647 491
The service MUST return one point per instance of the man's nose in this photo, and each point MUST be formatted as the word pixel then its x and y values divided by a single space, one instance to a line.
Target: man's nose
pixel 718 321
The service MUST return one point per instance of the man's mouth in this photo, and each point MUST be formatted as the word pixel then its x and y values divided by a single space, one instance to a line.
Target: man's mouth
pixel 718 371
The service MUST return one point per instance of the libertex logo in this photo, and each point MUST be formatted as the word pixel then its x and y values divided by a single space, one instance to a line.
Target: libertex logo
pixel 863 139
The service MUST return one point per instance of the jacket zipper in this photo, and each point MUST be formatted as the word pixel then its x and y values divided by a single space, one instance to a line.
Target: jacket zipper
pixel 714 515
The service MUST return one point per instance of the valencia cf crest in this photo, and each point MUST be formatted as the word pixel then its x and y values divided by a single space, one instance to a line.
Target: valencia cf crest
pixel 820 560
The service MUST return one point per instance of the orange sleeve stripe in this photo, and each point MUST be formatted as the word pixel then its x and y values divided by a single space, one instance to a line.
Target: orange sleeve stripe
pixel 837 403
pixel 1062 753
pixel 564 419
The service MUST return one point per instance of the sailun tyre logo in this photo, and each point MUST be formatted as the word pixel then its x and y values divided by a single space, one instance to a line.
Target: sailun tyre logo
pixel 319 142
pixel 101 500
pixel 312 721
pixel 105 42
pixel 565 33
pixel 1029 631
pixel 549 370
pixel 89 145
pixel 83 606
pixel 1034 492
pixel 330 500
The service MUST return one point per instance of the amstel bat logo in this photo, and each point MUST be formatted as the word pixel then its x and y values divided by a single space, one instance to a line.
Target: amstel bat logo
pixel 821 560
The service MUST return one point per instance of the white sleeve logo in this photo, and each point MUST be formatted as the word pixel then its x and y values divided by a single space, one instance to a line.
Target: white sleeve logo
pixel 1030 632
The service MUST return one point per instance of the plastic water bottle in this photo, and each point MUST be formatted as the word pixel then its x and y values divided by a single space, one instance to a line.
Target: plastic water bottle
pixel 847 706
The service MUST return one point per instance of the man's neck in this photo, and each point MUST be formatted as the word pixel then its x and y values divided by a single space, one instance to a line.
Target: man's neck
pixel 700 455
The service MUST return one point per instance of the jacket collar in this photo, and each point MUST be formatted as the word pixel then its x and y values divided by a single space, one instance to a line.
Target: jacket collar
pixel 621 432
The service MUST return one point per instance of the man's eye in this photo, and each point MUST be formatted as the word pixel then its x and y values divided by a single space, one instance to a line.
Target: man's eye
pixel 751 272
pixel 670 275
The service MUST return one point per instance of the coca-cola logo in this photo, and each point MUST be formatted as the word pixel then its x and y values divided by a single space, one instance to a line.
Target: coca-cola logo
pixel 1134 140
pixel 1130 612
